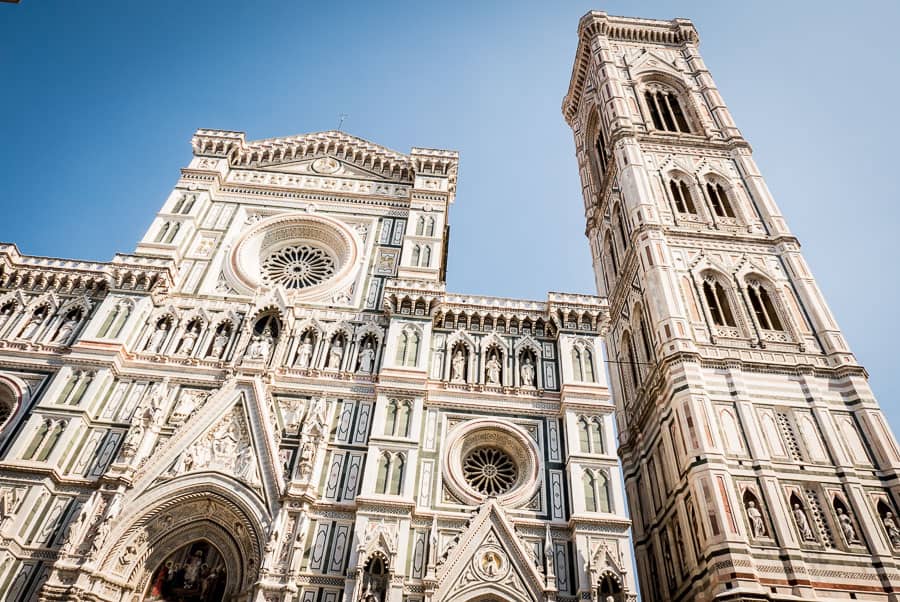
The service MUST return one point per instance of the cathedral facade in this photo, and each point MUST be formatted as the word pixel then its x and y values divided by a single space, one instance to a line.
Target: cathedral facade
pixel 758 464
pixel 275 398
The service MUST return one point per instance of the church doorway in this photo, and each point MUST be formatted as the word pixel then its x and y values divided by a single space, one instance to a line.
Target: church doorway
pixel 194 573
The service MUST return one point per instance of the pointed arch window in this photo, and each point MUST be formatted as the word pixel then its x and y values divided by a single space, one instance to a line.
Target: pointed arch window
pixel 596 491
pixel 717 300
pixel 416 254
pixel 429 227
pixel 763 308
pixel 622 230
pixel 420 226
pixel 718 198
pixel 390 473
pixel 630 362
pixel 665 111
pixel 681 195
pixel 408 348
pixel 426 257
pixel 611 255
pixel 584 435
pixel 397 419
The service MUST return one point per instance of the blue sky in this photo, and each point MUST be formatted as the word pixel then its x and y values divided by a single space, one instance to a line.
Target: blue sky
pixel 101 98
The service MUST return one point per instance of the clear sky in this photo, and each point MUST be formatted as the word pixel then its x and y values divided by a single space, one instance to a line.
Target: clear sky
pixel 100 100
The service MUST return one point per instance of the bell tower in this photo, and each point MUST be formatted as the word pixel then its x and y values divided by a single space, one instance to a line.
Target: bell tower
pixel 758 464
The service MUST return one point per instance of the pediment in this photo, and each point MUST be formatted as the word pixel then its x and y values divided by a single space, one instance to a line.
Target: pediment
pixel 490 559
pixel 651 61
pixel 325 166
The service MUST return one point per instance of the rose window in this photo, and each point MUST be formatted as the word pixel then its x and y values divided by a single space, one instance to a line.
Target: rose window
pixel 298 266
pixel 490 471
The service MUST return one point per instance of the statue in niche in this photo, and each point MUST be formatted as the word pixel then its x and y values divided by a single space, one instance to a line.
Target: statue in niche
pixel 159 336
pixel 847 527
pixel 6 313
pixel 304 355
pixel 336 354
pixel 261 346
pixel 187 404
pixel 803 523
pixel 757 524
pixel 152 414
pixel 219 344
pixel 37 318
pixel 527 372
pixel 100 536
pixel 890 525
pixel 458 366
pixel 189 340
pixel 493 370
pixel 367 358
pixel 133 442
pixel 65 331
pixel 491 563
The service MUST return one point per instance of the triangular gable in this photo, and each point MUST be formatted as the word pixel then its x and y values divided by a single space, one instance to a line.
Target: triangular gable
pixel 227 435
pixel 489 559
pixel 650 61
pixel 327 166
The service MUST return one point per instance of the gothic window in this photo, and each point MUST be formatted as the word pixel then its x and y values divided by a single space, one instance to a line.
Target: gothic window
pixel 44 440
pixel 611 255
pixel 621 229
pixel 426 256
pixel 596 491
pixel 718 198
pixel 717 301
pixel 630 362
pixel 763 308
pixel 598 151
pixel 162 232
pixel 429 227
pixel 596 430
pixel 681 195
pixel 420 226
pixel 582 363
pixel 416 254
pixel 115 320
pixel 665 110
pixel 168 232
pixel 584 435
pixel 590 435
pixel 75 388
pixel 408 348
pixel 390 473
pixel 397 419
pixel 645 340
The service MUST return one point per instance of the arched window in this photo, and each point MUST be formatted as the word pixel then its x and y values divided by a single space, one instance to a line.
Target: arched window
pixel 577 372
pixel 584 435
pixel 717 301
pixel 596 429
pixel 402 428
pixel 718 198
pixel 37 440
pixel 172 233
pixel 429 228
pixel 630 362
pixel 596 491
pixel 426 256
pixel 420 226
pixel 622 230
pixel 416 252
pixel 763 308
pixel 665 110
pixel 408 348
pixel 162 232
pixel 390 473
pixel 390 422
pixel 645 339
pixel 52 439
pixel 590 491
pixel 587 363
pixel 611 254
pixel 681 196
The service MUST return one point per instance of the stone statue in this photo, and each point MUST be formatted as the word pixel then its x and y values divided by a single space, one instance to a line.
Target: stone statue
pixel 367 358
pixel 336 354
pixel 219 343
pixel 186 406
pixel 890 525
pixel 159 336
pixel 847 527
pixel 37 318
pixel 458 366
pixel 304 355
pixel 65 331
pixel 261 346
pixel 189 340
pixel 757 524
pixel 527 372
pixel 5 314
pixel 493 370
pixel 100 536
pixel 803 523
pixel 133 442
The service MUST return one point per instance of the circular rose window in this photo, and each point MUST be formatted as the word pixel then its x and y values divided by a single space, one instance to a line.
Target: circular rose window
pixel 311 256
pixel 298 266
pixel 490 458
pixel 490 471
